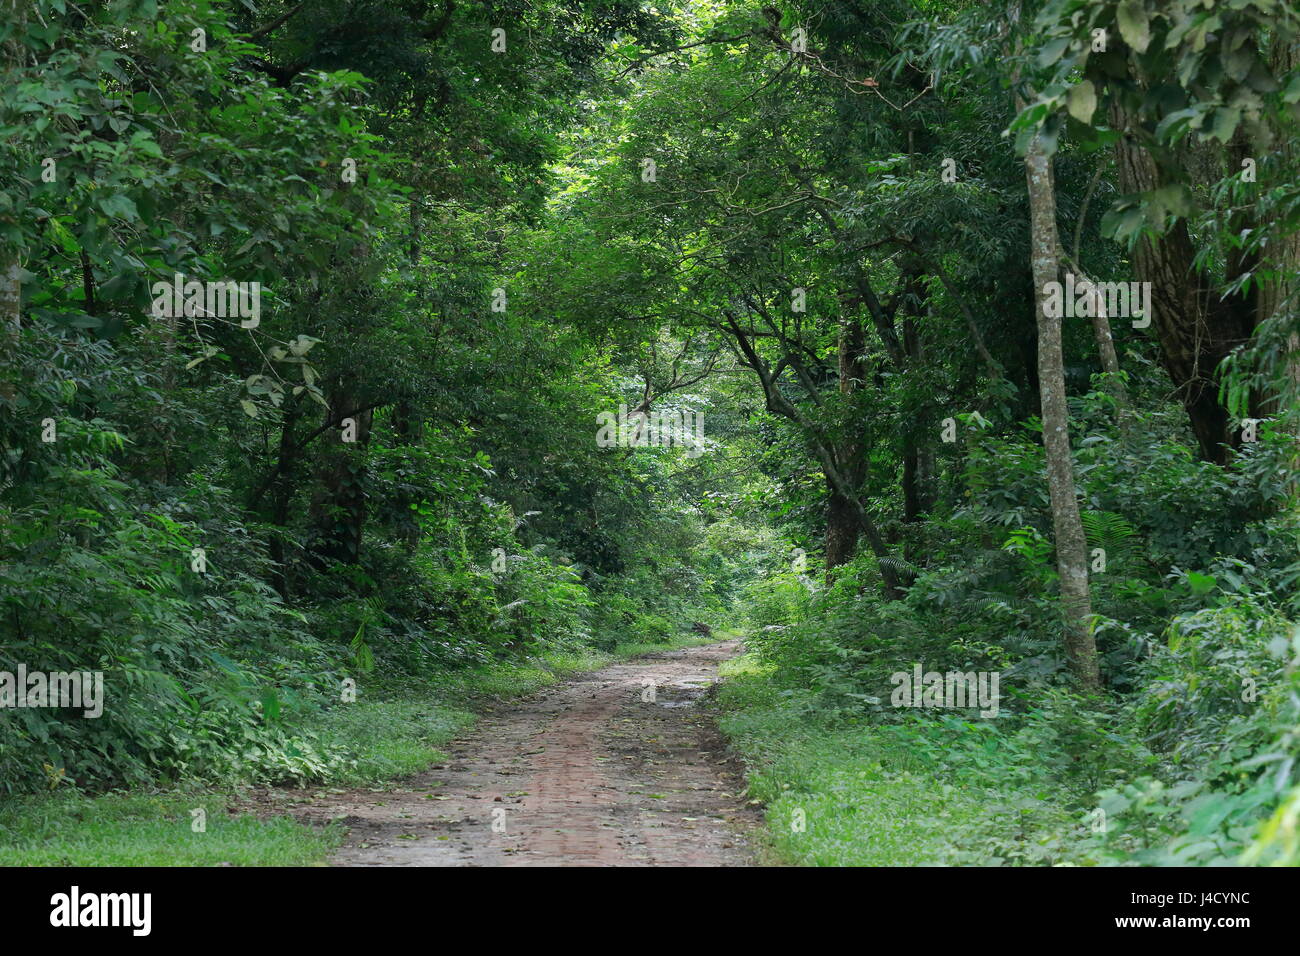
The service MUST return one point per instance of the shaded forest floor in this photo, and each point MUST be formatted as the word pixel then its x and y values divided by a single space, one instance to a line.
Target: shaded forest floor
pixel 615 767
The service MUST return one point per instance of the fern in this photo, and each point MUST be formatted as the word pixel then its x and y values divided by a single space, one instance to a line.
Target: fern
pixel 362 657
pixel 904 570
pixel 1110 532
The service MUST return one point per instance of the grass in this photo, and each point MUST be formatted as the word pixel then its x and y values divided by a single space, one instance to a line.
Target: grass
pixel 392 736
pixel 124 829
pixel 843 793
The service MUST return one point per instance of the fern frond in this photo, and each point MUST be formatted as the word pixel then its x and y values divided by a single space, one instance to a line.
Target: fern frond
pixel 1109 531
pixel 902 569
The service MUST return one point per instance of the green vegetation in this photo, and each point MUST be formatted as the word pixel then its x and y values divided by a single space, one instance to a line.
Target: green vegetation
pixel 385 739
pixel 923 793
pixel 1193 765
pixel 71 829
pixel 361 358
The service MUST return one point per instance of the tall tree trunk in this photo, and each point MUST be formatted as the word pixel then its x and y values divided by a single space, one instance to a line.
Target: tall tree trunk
pixel 1106 354
pixel 1281 292
pixel 841 531
pixel 1195 327
pixel 1105 342
pixel 417 231
pixel 1282 258
pixel 842 526
pixel 911 481
pixel 1071 546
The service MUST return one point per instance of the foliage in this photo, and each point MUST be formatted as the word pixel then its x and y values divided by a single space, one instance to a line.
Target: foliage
pixel 469 256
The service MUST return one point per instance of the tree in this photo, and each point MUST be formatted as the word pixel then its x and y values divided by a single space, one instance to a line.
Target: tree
pixel 1197 100
pixel 1071 546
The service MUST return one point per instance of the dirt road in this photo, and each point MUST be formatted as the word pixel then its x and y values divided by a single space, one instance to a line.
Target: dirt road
pixel 619 767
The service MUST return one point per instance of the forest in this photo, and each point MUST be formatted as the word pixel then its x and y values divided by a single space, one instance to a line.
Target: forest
pixel 865 430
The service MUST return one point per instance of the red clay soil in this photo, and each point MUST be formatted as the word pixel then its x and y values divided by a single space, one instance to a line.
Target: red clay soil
pixel 587 773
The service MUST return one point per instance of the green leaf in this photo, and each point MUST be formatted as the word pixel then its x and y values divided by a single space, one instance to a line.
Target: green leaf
pixel 1134 25
pixel 118 206
pixel 1224 124
pixel 270 704
pixel 1292 92
pixel 1050 54
pixel 1082 101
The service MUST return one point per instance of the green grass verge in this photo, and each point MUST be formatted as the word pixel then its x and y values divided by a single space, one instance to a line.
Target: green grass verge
pixel 921 793
pixel 125 829
pixel 397 734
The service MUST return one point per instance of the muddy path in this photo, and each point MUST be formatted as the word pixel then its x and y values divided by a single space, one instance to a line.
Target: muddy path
pixel 617 767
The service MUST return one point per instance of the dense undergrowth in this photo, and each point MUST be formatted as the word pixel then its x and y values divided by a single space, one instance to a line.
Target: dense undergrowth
pixel 241 525
pixel 824 281
pixel 216 679
pixel 215 676
pixel 217 668
pixel 1189 760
